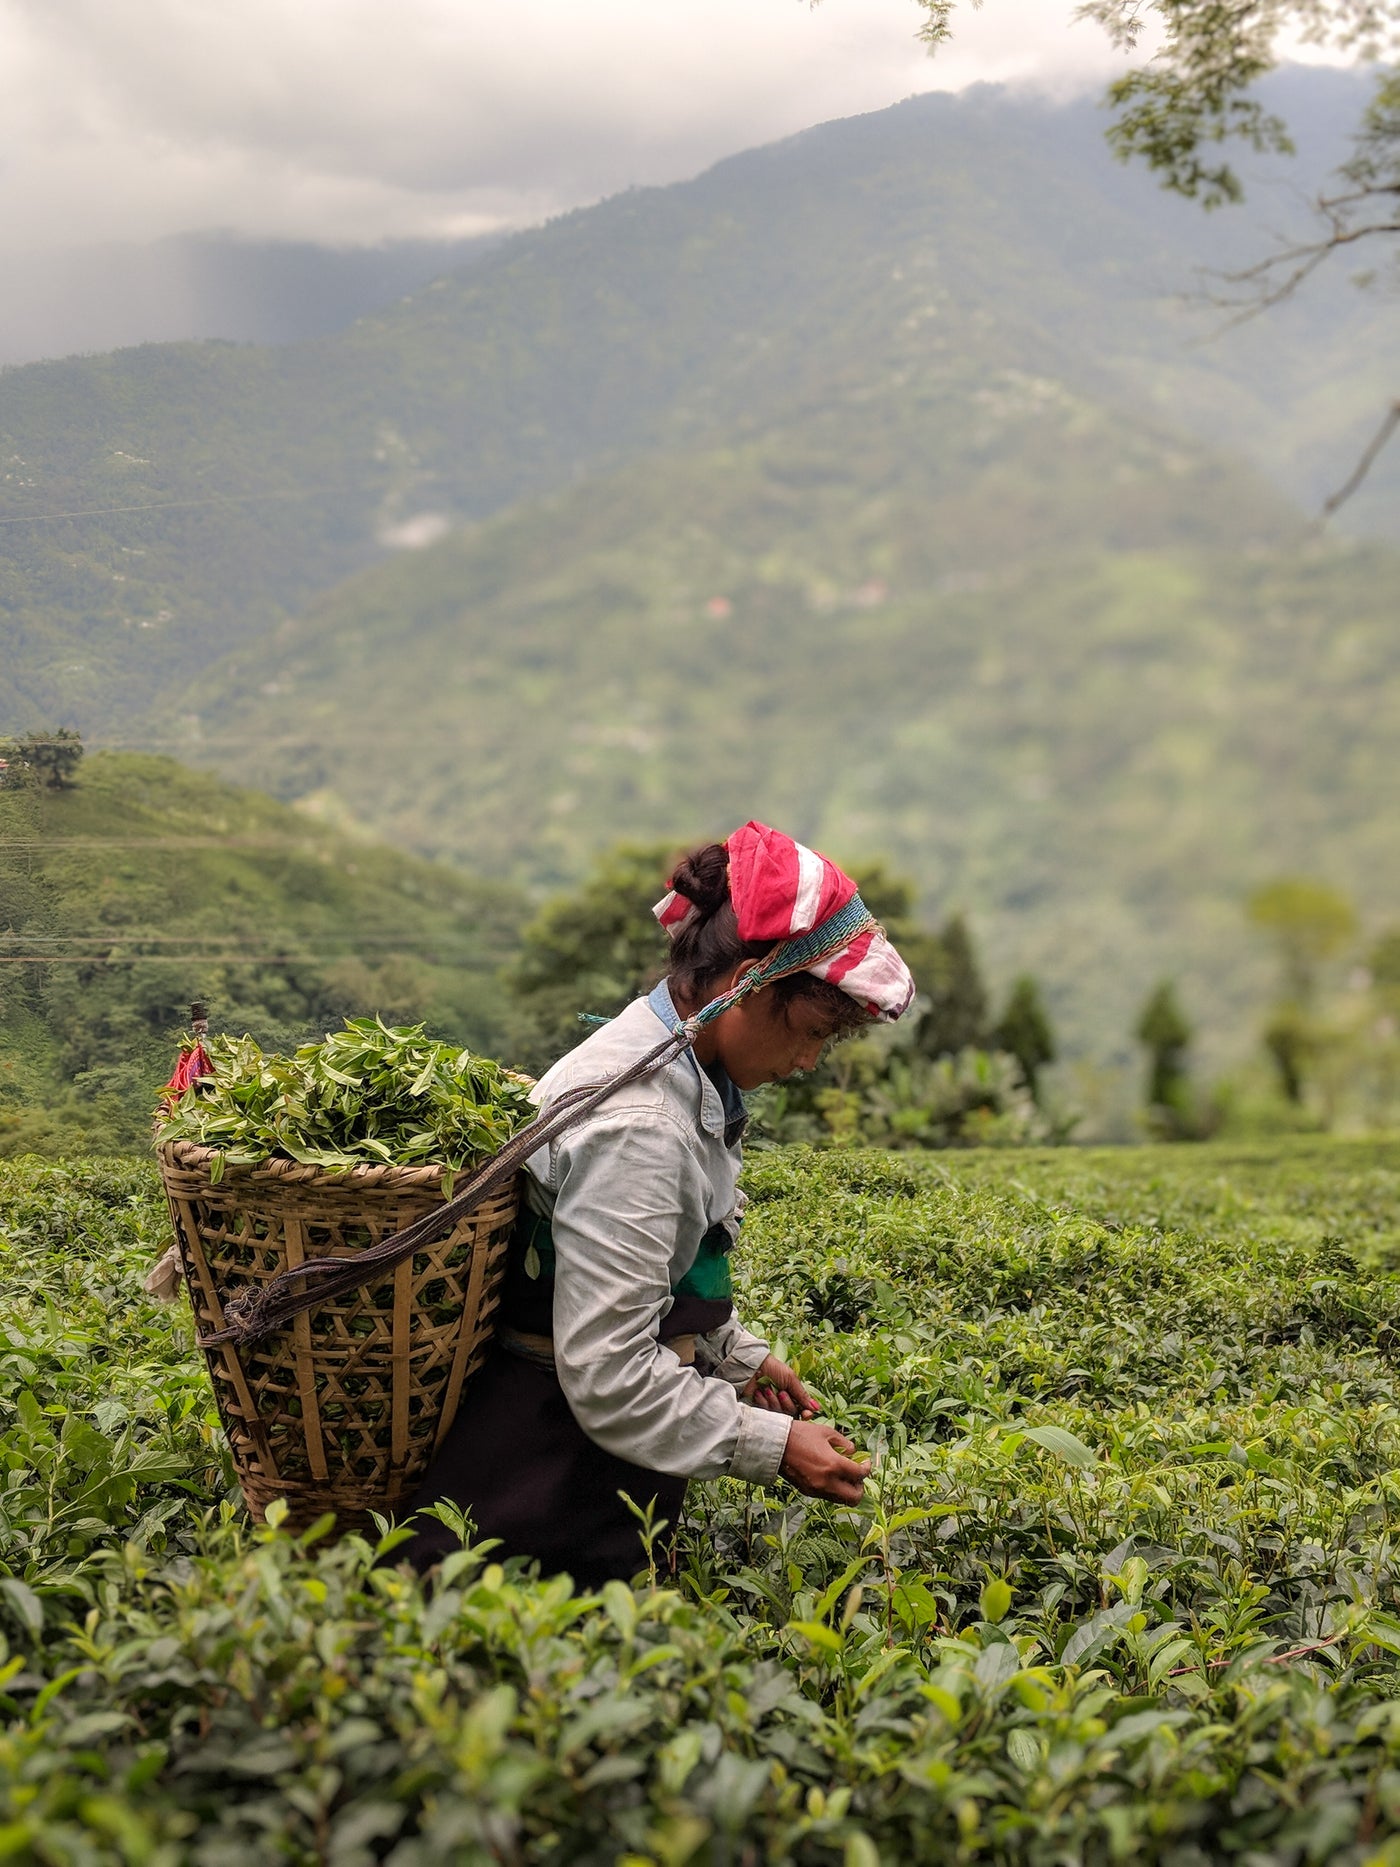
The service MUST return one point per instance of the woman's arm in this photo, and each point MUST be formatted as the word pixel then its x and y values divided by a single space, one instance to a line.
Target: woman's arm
pixel 731 1353
pixel 626 1184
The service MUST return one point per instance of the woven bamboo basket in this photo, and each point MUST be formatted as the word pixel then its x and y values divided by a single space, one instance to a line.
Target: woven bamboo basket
pixel 343 1410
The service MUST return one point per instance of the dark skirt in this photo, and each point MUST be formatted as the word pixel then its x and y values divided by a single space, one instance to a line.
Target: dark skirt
pixel 520 1465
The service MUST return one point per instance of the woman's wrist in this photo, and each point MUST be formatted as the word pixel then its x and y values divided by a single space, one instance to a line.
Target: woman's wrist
pixel 761 1446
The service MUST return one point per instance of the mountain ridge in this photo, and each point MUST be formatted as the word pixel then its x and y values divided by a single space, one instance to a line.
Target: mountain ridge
pixel 659 320
pixel 1070 675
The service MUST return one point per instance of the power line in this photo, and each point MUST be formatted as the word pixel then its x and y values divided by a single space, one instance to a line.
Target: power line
pixel 57 844
pixel 159 505
pixel 185 959
pixel 102 933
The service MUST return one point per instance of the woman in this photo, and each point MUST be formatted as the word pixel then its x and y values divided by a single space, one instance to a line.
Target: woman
pixel 619 1366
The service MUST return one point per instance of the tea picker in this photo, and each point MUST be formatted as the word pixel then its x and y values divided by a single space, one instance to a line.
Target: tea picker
pixel 593 1356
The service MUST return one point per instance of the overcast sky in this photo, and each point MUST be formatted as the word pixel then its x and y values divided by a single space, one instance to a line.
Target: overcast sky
pixel 353 121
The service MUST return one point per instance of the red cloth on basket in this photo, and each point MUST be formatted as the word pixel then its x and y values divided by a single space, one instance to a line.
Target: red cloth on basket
pixel 192 1063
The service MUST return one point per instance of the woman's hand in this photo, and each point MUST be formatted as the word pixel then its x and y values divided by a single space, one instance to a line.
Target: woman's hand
pixel 815 1462
pixel 777 1389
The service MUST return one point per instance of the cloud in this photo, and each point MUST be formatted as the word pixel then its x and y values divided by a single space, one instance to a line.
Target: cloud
pixel 354 121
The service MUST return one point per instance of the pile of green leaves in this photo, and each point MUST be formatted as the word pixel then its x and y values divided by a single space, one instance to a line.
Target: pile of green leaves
pixel 367 1092
pixel 1122 1588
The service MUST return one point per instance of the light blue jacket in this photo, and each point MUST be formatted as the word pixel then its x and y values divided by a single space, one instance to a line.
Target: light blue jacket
pixel 630 1193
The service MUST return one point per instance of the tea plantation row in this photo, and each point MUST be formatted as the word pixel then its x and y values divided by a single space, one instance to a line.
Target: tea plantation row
pixel 1124 1587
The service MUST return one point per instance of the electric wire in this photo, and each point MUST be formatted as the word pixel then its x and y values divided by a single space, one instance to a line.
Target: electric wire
pixel 158 505
pixel 185 959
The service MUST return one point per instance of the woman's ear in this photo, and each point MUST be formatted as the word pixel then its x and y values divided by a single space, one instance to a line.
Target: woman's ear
pixel 727 981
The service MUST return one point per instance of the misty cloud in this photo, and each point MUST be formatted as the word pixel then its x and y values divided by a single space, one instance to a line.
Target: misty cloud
pixel 355 121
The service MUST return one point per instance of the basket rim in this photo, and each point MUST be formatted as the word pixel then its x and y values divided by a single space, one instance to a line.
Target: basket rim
pixel 194 1156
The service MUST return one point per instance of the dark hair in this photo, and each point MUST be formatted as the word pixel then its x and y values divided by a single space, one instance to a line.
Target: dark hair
pixel 709 949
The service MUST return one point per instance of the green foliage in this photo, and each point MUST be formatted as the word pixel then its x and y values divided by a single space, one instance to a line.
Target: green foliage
pixel 892 899
pixel 955 1014
pixel 1163 1030
pixel 50 758
pixel 1009 735
pixel 1308 922
pixel 225 486
pixel 1121 1588
pixel 1385 961
pixel 589 953
pixel 903 403
pixel 1195 93
pixel 145 886
pixel 594 950
pixel 1291 1039
pixel 365 1093
pixel 1175 112
pixel 875 1092
pixel 932 1084
pixel 1024 1032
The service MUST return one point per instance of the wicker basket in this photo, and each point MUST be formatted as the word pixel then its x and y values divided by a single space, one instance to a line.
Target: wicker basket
pixel 343 1410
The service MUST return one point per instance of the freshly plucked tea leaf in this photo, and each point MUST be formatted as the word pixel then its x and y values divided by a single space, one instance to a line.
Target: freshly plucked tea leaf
pixel 369 1092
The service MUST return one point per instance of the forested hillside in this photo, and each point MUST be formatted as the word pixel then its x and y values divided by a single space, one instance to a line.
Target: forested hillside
pixel 870 481
pixel 986 232
pixel 1064 670
pixel 144 886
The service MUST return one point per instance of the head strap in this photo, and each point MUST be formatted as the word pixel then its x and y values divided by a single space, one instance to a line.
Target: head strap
pixel 789 956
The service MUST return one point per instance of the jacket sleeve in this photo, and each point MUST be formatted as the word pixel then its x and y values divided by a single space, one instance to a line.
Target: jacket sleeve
pixel 625 1184
pixel 731 1353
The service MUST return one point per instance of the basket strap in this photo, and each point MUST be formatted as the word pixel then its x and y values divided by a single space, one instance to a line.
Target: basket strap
pixel 252 1313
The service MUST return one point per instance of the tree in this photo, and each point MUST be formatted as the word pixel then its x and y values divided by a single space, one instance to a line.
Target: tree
pixel 50 757
pixel 1024 1032
pixel 890 899
pixel 591 951
pixel 1162 1029
pixel 1385 962
pixel 955 1017
pixel 1290 1039
pixel 1177 112
pixel 1308 923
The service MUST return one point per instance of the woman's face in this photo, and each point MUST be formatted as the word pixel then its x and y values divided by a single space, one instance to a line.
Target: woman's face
pixel 762 1039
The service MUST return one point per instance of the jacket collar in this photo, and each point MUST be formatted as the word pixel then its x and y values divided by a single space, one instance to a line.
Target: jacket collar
pixel 721 1106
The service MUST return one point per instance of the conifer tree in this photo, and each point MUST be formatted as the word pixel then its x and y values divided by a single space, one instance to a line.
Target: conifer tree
pixel 957 1011
pixel 1163 1030
pixel 1024 1032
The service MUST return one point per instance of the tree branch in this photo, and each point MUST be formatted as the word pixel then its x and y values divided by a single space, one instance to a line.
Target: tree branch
pixel 1367 460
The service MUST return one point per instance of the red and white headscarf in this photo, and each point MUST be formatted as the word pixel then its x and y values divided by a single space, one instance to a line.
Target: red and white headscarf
pixel 781 890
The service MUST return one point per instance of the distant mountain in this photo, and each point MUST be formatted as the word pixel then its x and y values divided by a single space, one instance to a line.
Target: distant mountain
pixel 219 488
pixel 68 301
pixel 1066 670
pixel 147 885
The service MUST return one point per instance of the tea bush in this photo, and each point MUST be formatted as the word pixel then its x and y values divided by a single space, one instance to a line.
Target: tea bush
pixel 1123 1588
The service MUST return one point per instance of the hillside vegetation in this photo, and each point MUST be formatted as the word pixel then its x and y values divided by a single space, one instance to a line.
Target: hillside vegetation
pixel 988 228
pixel 1063 669
pixel 1121 1588
pixel 869 483
pixel 146 886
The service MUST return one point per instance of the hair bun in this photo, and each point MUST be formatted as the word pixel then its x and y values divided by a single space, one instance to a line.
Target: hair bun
pixel 703 877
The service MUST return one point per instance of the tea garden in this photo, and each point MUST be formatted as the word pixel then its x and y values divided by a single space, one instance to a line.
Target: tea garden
pixel 1123 1588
